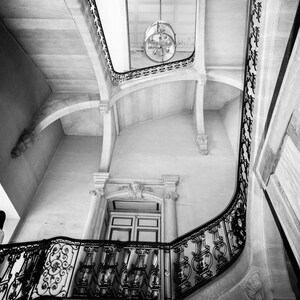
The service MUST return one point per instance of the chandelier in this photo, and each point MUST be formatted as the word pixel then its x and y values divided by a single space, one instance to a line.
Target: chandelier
pixel 160 40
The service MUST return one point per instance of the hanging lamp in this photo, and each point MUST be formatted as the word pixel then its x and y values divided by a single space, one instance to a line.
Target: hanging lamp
pixel 160 41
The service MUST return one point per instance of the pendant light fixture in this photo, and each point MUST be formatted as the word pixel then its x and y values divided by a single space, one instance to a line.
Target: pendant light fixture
pixel 160 40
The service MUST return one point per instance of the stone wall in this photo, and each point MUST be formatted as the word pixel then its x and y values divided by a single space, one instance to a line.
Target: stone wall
pixel 22 90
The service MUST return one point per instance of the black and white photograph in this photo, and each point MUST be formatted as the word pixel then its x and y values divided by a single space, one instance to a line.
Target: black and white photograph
pixel 150 149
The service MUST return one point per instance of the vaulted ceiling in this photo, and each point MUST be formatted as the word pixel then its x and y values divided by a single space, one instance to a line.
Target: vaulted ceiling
pixel 47 32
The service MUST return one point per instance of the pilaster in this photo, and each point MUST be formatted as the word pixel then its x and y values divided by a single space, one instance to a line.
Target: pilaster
pixel 170 197
pixel 199 117
pixel 201 82
pixel 98 207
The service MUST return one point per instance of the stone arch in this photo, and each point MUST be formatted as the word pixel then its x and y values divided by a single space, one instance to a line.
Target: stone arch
pixel 61 112
pixel 135 85
pixel 225 78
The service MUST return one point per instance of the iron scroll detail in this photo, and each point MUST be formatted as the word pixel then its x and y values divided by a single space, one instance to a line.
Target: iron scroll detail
pixel 63 267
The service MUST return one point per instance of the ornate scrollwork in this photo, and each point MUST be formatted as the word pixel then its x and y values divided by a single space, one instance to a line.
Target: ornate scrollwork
pixel 202 259
pixel 25 140
pixel 20 270
pixel 220 248
pixel 99 192
pixel 132 270
pixel 172 195
pixel 135 189
pixel 85 272
pixel 183 269
pixel 107 280
pixel 58 270
pixel 238 225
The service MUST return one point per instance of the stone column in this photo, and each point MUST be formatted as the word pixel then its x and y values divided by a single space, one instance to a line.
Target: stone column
pixel 97 209
pixel 199 65
pixel 170 197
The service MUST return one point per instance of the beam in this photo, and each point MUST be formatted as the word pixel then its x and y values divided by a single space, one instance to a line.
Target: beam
pixel 115 108
pixel 200 68
pixel 199 117
pixel 199 63
pixel 107 144
pixel 80 12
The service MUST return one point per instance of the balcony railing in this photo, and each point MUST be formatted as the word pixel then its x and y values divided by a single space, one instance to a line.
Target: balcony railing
pixel 63 267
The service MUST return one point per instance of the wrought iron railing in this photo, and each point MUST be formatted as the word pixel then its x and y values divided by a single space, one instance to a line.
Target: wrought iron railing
pixel 64 267
pixel 116 77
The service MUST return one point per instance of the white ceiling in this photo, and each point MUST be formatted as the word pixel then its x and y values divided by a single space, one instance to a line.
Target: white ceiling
pixel 47 32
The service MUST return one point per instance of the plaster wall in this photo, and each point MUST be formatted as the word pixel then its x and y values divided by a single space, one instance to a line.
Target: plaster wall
pixel 225 28
pixel 83 122
pixel 231 117
pixel 168 146
pixel 157 101
pixel 62 202
pixel 217 94
pixel 22 90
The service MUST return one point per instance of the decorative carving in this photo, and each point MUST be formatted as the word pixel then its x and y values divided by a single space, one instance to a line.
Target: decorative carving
pixel 97 192
pixel 26 139
pixel 58 269
pixel 253 287
pixel 202 143
pixel 183 269
pixel 171 195
pixel 202 82
pixel 218 242
pixel 104 107
pixel 135 189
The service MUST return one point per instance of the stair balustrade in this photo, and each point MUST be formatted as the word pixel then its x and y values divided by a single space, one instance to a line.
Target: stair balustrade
pixel 63 267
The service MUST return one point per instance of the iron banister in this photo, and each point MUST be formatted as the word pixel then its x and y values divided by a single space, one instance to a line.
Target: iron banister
pixel 66 268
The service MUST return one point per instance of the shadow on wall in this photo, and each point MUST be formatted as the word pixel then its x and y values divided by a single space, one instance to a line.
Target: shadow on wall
pixel 2 220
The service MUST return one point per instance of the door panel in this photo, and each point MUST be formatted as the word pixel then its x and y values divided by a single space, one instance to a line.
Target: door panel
pixel 134 227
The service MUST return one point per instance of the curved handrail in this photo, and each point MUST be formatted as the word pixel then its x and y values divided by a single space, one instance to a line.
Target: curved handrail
pixel 61 266
pixel 117 77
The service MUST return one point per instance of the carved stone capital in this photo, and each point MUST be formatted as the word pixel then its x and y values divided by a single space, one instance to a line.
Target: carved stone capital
pixel 100 179
pixel 104 107
pixel 99 192
pixel 171 180
pixel 171 195
pixel 202 81
pixel 202 143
